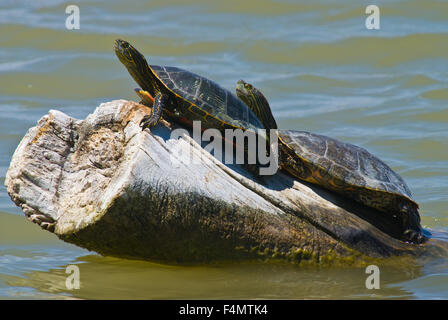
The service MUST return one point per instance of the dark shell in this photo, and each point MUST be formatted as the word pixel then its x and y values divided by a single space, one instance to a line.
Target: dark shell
pixel 352 165
pixel 208 95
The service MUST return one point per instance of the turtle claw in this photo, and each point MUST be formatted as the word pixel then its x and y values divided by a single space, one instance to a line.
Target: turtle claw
pixel 146 122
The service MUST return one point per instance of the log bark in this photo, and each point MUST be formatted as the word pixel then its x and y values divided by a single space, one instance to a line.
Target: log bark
pixel 105 185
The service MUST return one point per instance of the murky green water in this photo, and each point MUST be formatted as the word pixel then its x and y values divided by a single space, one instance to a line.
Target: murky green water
pixel 322 70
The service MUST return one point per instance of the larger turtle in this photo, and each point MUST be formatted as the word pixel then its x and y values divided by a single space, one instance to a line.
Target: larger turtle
pixel 185 96
pixel 340 167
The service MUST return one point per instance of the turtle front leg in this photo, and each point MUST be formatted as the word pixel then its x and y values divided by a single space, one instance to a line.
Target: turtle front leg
pixel 148 121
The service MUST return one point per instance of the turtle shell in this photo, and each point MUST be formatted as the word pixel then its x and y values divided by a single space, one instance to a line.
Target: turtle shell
pixel 208 96
pixel 346 169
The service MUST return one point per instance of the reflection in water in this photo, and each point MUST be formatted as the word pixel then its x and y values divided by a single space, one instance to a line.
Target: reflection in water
pixel 112 278
pixel 322 71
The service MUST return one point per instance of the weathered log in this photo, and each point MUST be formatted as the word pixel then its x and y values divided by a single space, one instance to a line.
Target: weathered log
pixel 105 185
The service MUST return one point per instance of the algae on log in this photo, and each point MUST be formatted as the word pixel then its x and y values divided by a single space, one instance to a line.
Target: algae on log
pixel 105 185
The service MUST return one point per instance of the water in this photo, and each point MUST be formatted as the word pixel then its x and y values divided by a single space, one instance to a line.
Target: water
pixel 322 70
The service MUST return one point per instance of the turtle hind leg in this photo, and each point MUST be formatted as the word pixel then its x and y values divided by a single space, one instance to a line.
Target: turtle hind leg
pixel 145 97
pixel 413 231
pixel 148 121
pixel 414 236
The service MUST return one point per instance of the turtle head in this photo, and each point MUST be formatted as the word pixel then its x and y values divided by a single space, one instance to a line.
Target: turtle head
pixel 128 55
pixel 244 90
pixel 137 66
pixel 257 102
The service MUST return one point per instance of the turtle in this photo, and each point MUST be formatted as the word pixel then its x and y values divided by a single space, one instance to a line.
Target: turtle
pixel 340 167
pixel 183 95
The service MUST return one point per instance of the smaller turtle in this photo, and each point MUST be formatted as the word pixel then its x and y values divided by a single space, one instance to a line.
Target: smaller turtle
pixel 340 167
